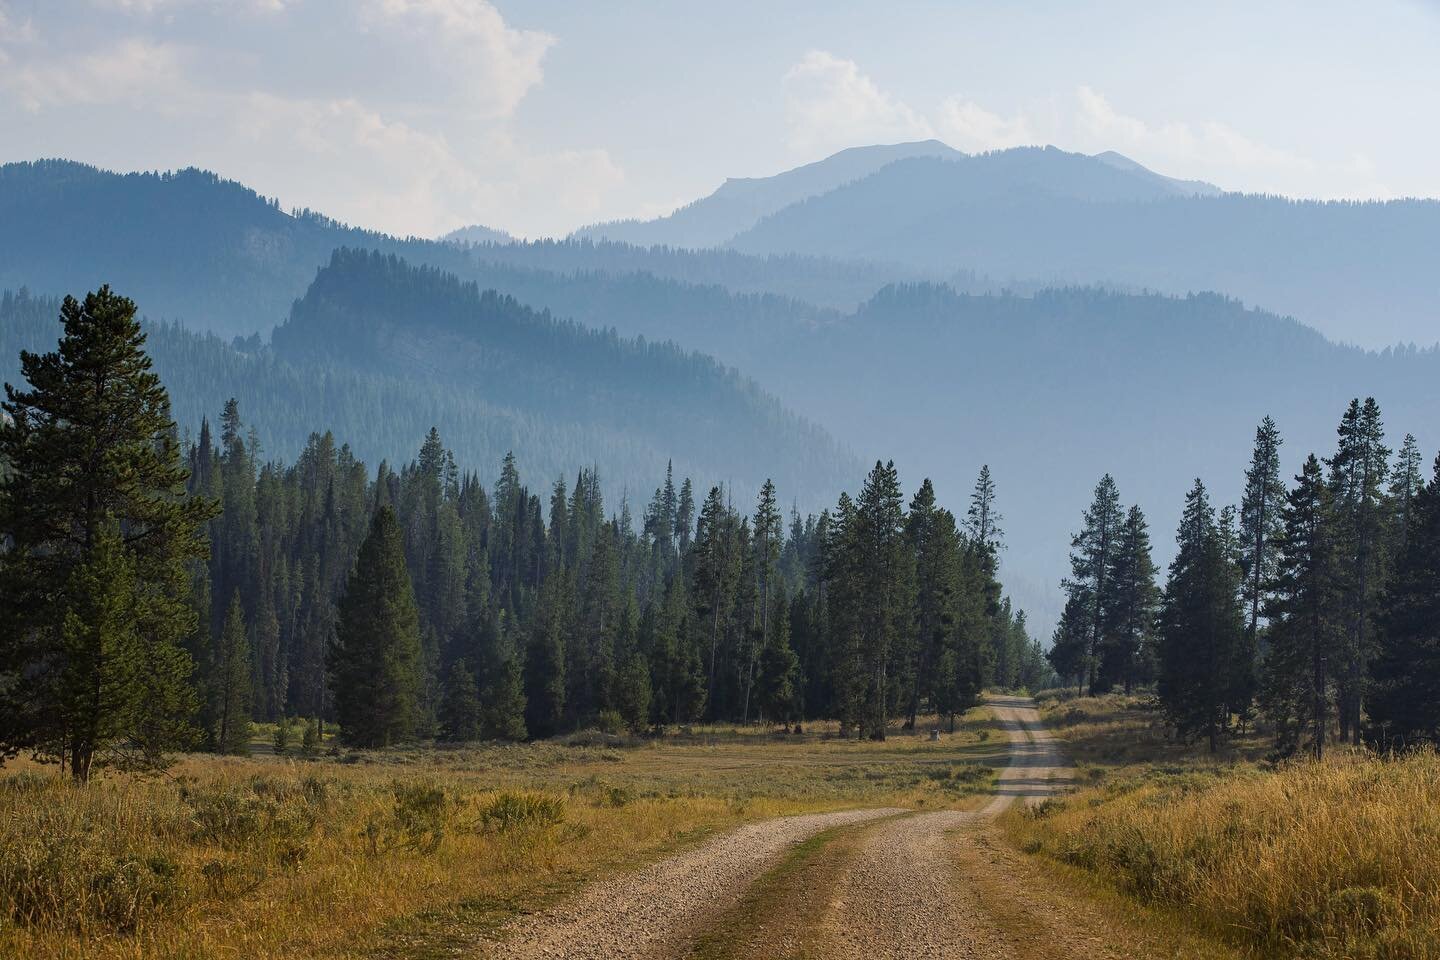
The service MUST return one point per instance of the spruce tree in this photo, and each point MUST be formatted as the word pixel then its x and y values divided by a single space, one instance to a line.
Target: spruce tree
pixel 375 661
pixel 885 571
pixel 1091 556
pixel 779 667
pixel 545 660
pixel 767 536
pixel 1200 623
pixel 95 495
pixel 1357 477
pixel 1130 608
pixel 1404 703
pixel 1306 632
pixel 460 705
pixel 1260 525
pixel 230 687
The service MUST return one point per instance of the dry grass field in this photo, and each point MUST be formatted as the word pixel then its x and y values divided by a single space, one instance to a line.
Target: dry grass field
pixel 410 853
pixel 1339 859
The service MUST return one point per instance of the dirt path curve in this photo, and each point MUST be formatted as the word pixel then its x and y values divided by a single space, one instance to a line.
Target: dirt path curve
pixel 899 895
pixel 645 914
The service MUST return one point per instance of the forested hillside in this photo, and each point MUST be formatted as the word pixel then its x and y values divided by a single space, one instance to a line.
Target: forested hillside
pixel 1064 218
pixel 554 393
pixel 1085 381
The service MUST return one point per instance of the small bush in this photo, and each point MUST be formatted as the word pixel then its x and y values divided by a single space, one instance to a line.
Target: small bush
pixel 521 810
pixel 282 736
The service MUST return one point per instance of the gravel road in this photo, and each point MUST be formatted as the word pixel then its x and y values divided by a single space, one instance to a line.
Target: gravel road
pixel 652 912
pixel 899 897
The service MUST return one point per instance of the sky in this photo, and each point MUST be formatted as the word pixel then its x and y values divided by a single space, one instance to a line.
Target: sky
pixel 539 116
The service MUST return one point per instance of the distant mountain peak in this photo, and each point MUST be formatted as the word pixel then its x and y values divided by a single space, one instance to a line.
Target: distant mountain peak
pixel 1198 188
pixel 477 233
pixel 741 202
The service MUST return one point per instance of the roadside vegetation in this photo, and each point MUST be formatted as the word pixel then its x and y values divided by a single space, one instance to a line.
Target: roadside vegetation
pixel 412 851
pixel 1280 858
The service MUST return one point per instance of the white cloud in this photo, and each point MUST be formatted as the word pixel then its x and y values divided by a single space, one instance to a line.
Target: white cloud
pixel 132 70
pixel 966 125
pixel 1186 147
pixel 830 104
pixel 398 115
pixel 493 64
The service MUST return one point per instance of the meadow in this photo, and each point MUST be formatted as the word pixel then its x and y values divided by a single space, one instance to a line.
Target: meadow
pixel 411 852
pixel 1278 858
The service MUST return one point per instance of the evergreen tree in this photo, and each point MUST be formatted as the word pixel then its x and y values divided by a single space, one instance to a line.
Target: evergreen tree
pixel 1260 525
pixel 375 661
pixel 1406 482
pixel 460 705
pixel 545 681
pixel 1129 613
pixel 1091 557
pixel 884 567
pixel 503 691
pixel 1306 635
pixel 1201 622
pixel 230 683
pixel 1404 703
pixel 1357 478
pixel 95 582
pixel 982 520
pixel 766 540
pixel 779 667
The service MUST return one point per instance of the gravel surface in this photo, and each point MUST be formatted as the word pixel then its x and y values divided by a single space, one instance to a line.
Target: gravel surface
pixel 901 895
pixel 651 913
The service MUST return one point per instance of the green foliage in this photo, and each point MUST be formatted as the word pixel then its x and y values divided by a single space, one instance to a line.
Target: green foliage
pixel 460 709
pixel 375 661
pixel 513 810
pixel 101 539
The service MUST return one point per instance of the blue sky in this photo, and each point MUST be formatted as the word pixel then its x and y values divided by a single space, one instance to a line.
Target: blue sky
pixel 417 116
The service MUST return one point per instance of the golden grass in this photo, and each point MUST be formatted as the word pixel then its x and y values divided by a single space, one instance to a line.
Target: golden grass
pixel 410 852
pixel 1339 859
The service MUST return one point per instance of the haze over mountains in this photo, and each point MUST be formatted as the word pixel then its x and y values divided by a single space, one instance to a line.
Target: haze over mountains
pixel 866 292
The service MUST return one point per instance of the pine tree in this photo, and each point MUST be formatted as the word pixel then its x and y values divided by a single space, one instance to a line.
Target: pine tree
pixel 1305 637
pixel 1200 624
pixel 1406 482
pixel 766 545
pixel 982 521
pixel 779 667
pixel 1091 556
pixel 1404 703
pixel 230 683
pixel 95 494
pixel 503 690
pixel 1260 525
pixel 545 681
pixel 375 661
pixel 1357 478
pixel 885 569
pixel 1130 608
pixel 460 705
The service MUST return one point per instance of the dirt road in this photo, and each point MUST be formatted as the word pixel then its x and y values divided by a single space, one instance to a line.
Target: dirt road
pixel 898 890
pixel 646 914
pixel 899 896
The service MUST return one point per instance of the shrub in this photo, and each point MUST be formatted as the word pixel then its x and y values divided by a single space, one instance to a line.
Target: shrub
pixel 521 810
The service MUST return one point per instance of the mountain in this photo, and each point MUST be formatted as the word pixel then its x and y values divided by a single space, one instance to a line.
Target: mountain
pixel 1184 188
pixel 1054 390
pixel 1358 271
pixel 740 203
pixel 193 247
pixel 186 245
pixel 477 233
pixel 378 351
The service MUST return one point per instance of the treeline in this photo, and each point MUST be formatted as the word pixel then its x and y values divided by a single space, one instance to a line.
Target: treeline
pixel 157 597
pixel 532 613
pixel 1314 606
